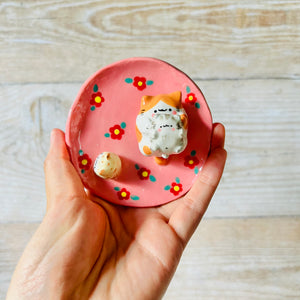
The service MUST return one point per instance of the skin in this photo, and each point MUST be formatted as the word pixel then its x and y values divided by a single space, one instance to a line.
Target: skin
pixel 86 248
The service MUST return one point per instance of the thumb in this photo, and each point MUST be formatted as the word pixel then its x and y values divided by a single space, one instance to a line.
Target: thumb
pixel 62 181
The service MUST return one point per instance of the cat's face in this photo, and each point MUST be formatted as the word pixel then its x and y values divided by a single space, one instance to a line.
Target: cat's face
pixel 161 108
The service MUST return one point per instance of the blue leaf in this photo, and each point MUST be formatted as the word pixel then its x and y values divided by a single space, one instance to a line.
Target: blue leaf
pixel 129 80
pixel 197 105
pixel 117 189
pixel 193 153
pixel 196 170
pixel 152 178
pixel 107 135
pixel 177 180
pixel 123 125
pixel 149 82
pixel 80 152
pixel 188 89
pixel 135 198
pixel 137 166
pixel 167 187
pixel 95 89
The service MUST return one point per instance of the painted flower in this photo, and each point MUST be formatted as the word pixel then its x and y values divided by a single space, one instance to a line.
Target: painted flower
pixel 191 161
pixel 123 194
pixel 140 83
pixel 144 173
pixel 84 162
pixel 97 99
pixel 191 98
pixel 116 132
pixel 176 188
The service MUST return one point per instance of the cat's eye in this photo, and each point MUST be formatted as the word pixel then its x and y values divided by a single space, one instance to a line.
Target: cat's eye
pixel 155 111
pixel 170 109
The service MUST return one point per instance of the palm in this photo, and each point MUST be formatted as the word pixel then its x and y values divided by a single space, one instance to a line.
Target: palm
pixel 135 241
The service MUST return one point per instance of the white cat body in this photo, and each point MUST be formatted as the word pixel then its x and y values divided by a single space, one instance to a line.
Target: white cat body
pixel 163 130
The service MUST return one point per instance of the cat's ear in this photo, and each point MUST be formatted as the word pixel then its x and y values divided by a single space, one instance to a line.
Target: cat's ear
pixel 146 100
pixel 176 96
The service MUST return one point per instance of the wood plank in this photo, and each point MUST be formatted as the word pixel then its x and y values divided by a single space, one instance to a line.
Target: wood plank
pixel 241 259
pixel 13 240
pixel 62 41
pixel 263 141
pixel 255 258
pixel 29 114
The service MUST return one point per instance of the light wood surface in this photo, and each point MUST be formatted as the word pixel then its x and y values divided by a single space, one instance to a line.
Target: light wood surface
pixel 244 55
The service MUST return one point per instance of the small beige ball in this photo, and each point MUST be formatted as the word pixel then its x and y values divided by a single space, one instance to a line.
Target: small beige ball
pixel 107 165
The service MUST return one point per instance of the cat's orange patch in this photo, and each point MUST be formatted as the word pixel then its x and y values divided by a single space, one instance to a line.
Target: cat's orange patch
pixel 184 121
pixel 173 99
pixel 161 161
pixel 138 134
pixel 147 150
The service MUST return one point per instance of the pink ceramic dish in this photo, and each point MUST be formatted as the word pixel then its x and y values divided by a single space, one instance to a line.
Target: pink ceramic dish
pixel 103 118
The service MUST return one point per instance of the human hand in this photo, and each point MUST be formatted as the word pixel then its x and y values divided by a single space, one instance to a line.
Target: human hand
pixel 87 248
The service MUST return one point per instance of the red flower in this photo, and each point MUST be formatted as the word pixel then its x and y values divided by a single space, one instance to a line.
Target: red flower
pixel 116 132
pixel 84 162
pixel 191 161
pixel 191 98
pixel 97 99
pixel 123 194
pixel 176 188
pixel 140 83
pixel 144 173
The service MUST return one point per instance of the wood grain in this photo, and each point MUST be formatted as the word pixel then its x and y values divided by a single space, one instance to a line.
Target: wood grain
pixel 241 259
pixel 63 41
pixel 263 141
pixel 226 259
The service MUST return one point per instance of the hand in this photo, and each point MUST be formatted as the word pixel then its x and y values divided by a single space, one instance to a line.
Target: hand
pixel 86 248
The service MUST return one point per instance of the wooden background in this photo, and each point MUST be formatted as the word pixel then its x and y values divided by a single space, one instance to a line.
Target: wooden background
pixel 244 55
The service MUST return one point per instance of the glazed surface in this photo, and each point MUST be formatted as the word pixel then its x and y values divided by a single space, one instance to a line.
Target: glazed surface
pixel 103 119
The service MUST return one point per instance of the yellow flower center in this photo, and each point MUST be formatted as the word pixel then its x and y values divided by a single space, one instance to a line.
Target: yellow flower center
pixel 117 131
pixel 84 162
pixel 98 99
pixel 123 194
pixel 191 162
pixel 191 98
pixel 140 83
pixel 176 188
pixel 145 174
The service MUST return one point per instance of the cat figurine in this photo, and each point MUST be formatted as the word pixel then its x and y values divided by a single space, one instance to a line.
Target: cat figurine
pixel 161 126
